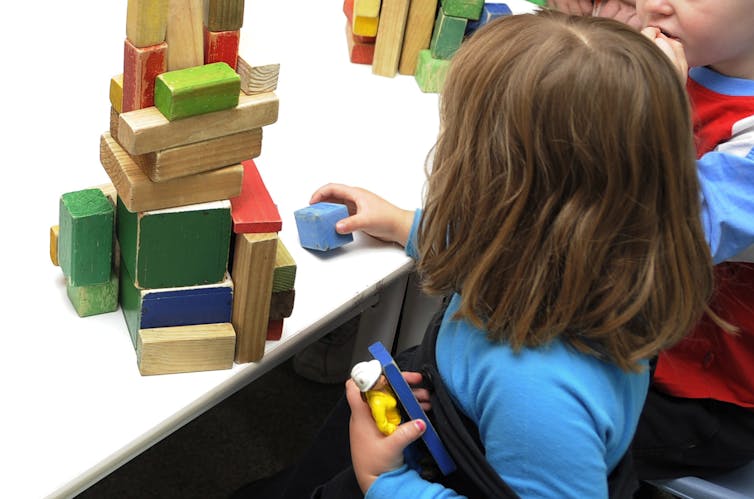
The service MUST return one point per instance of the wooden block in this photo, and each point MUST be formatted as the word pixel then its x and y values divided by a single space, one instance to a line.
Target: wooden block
pixel 257 79
pixel 147 130
pixel 284 276
pixel 138 193
pixel 114 117
pixel 316 226
pixel 184 35
pixel 253 267
pixel 223 15
pixel 387 47
pixel 197 90
pixel 467 9
pixel 281 304
pixel 184 246
pixel 490 11
pixel 54 232
pixel 419 25
pixel 274 330
pixel 85 241
pixel 253 210
pixel 447 35
pixel 348 11
pixel 221 46
pixel 146 22
pixel 358 52
pixel 94 299
pixel 366 8
pixel 431 72
pixel 141 65
pixel 182 349
pixel 116 93
pixel 365 26
pixel 181 306
pixel 200 157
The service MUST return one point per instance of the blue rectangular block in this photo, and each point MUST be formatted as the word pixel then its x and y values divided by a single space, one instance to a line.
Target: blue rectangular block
pixel 490 11
pixel 411 405
pixel 316 226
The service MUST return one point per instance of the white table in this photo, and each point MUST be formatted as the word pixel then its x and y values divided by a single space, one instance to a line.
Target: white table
pixel 74 404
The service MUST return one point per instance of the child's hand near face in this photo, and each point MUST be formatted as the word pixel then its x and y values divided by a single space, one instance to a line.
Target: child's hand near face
pixel 672 48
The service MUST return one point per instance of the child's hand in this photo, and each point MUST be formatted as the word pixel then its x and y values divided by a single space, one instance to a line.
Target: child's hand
pixel 575 7
pixel 369 213
pixel 672 48
pixel 620 10
pixel 421 394
pixel 373 453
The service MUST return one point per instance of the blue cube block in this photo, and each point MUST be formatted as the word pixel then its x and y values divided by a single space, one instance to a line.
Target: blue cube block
pixel 316 226
pixel 490 11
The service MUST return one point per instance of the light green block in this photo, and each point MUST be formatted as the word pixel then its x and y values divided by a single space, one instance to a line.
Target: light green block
pixel 468 9
pixel 94 299
pixel 447 35
pixel 430 72
pixel 284 275
pixel 196 90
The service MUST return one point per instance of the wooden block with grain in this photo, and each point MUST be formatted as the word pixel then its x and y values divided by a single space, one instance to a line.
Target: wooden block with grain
pixel 419 25
pixel 223 15
pixel 430 72
pixel 94 299
pixel 367 8
pixel 358 52
pixel 284 276
pixel 447 35
pixel 281 304
pixel 141 65
pixel 257 79
pixel 365 26
pixel 139 193
pixel 147 130
pixel 182 349
pixel 221 46
pixel 467 9
pixel 200 157
pixel 252 274
pixel 274 329
pixel 185 34
pixel 146 22
pixel 253 210
pixel 490 12
pixel 389 42
pixel 116 93
pixel 197 90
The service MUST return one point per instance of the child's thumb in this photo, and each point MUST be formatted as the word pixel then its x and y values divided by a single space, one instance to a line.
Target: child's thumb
pixel 408 432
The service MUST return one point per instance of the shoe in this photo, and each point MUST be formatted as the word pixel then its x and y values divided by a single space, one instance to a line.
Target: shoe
pixel 328 360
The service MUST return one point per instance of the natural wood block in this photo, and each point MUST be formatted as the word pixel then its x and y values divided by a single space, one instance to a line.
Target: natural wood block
pixel 284 276
pixel 182 349
pixel 431 72
pixel 257 79
pixel 94 299
pixel 253 210
pixel 147 130
pixel 116 93
pixel 200 157
pixel 468 9
pixel 184 35
pixel 114 117
pixel 447 35
pixel 274 330
pixel 138 193
pixel 387 47
pixel 141 65
pixel 253 267
pixel 54 232
pixel 281 304
pixel 490 11
pixel 223 15
pixel 185 246
pixel 85 240
pixel 146 22
pixel 365 26
pixel 358 52
pixel 221 46
pixel 418 33
pixel 197 90
pixel 366 8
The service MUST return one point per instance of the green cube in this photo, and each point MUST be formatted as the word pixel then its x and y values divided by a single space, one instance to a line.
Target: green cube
pixel 468 9
pixel 94 299
pixel 430 72
pixel 196 90
pixel 447 35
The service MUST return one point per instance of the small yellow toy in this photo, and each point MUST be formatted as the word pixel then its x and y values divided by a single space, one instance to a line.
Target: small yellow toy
pixel 376 391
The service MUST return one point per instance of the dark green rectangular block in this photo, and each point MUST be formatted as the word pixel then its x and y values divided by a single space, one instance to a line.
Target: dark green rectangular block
pixel 447 35
pixel 468 9
pixel 196 90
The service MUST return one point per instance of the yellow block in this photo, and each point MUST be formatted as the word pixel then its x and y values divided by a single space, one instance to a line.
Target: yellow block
pixel 54 231
pixel 116 93
pixel 366 8
pixel 365 26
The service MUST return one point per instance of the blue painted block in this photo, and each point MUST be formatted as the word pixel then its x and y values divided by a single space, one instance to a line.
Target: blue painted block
pixel 403 391
pixel 490 11
pixel 316 226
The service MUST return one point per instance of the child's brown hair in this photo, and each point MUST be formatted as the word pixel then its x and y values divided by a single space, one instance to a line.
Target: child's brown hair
pixel 563 198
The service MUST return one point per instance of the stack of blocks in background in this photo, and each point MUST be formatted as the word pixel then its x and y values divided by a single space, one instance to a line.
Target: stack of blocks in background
pixel 186 237
pixel 416 37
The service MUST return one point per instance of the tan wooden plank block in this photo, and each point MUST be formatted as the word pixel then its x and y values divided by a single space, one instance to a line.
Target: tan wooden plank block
pixel 181 349
pixel 257 79
pixel 387 46
pixel 146 22
pixel 138 193
pixel 418 33
pixel 147 130
pixel 252 274
pixel 185 34
pixel 54 233
pixel 200 157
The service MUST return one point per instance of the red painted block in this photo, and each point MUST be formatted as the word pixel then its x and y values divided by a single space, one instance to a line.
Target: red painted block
pixel 253 211
pixel 358 52
pixel 221 46
pixel 274 330
pixel 140 68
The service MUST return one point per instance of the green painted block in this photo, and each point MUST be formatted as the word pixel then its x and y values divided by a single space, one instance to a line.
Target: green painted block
pixel 85 238
pixel 94 299
pixel 197 90
pixel 183 246
pixel 430 72
pixel 468 9
pixel 447 35
pixel 284 275
pixel 130 302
